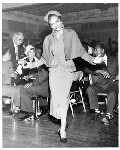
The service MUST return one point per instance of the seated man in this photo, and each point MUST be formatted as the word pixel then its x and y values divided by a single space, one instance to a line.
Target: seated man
pixel 107 81
pixel 39 87
pixel 7 73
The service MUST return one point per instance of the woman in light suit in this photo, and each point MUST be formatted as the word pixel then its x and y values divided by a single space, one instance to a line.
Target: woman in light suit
pixel 59 49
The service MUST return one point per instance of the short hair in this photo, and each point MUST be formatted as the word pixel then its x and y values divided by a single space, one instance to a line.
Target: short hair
pixel 93 43
pixel 4 50
pixel 102 46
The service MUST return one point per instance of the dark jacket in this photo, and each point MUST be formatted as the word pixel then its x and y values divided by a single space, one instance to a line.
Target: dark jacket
pixel 41 81
pixel 9 44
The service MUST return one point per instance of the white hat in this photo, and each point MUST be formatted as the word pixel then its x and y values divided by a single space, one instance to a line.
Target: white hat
pixel 29 48
pixel 51 12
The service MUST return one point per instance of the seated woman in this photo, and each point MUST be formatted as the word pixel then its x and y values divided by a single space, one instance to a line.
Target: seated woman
pixel 24 70
pixel 7 73
pixel 39 87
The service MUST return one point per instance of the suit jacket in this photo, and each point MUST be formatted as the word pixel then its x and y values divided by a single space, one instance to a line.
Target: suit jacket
pixel 73 48
pixel 9 44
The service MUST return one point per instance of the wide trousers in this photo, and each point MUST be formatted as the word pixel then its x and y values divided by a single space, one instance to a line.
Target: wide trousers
pixel 32 91
pixel 111 90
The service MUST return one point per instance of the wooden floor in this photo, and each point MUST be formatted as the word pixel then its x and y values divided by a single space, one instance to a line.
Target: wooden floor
pixel 82 132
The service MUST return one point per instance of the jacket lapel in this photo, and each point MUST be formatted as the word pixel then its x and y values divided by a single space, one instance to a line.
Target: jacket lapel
pixel 67 43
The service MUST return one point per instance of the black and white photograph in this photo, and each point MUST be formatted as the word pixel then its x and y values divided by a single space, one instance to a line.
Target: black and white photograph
pixel 60 74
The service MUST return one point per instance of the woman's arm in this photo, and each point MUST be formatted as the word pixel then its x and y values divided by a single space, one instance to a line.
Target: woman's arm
pixel 80 51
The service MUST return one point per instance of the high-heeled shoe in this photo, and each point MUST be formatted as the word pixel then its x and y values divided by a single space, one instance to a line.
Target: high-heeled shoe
pixel 57 132
pixel 63 140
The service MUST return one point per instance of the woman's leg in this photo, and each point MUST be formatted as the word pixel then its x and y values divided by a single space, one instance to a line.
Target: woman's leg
pixel 63 127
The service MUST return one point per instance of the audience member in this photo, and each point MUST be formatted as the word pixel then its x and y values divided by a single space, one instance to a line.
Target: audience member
pixel 114 48
pixel 15 47
pixel 24 69
pixel 39 87
pixel 106 81
pixel 7 73
pixel 93 43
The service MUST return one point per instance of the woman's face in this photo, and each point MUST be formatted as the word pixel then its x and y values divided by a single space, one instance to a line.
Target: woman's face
pixel 31 54
pixel 55 23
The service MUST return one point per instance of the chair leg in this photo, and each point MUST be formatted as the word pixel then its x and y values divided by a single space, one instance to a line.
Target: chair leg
pixel 12 106
pixel 82 100
pixel 36 107
pixel 71 109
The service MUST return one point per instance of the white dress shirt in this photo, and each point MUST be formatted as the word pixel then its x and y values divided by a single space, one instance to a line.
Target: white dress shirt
pixel 16 51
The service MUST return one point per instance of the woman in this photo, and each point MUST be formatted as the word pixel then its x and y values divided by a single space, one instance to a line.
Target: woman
pixel 59 48
pixel 24 68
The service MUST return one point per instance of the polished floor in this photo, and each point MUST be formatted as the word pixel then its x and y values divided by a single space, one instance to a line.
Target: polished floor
pixel 82 132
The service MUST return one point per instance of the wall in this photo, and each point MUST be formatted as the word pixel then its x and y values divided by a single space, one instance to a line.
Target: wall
pixel 37 28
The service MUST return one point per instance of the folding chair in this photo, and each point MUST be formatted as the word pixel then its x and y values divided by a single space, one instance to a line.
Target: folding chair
pixel 102 101
pixel 36 107
pixel 72 95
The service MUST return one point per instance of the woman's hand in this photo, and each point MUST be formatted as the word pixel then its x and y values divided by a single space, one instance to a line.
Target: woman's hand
pixel 26 78
pixel 22 62
pixel 14 75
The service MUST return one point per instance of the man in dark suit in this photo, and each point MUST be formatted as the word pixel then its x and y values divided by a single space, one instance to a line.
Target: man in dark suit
pixel 106 81
pixel 15 47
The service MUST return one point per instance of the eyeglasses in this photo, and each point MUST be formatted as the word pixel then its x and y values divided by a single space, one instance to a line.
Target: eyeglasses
pixel 19 39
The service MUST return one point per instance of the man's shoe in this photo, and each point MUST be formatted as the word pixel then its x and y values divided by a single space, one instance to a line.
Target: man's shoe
pixel 44 113
pixel 33 117
pixel 25 118
pixel 11 112
pixel 96 116
pixel 106 120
